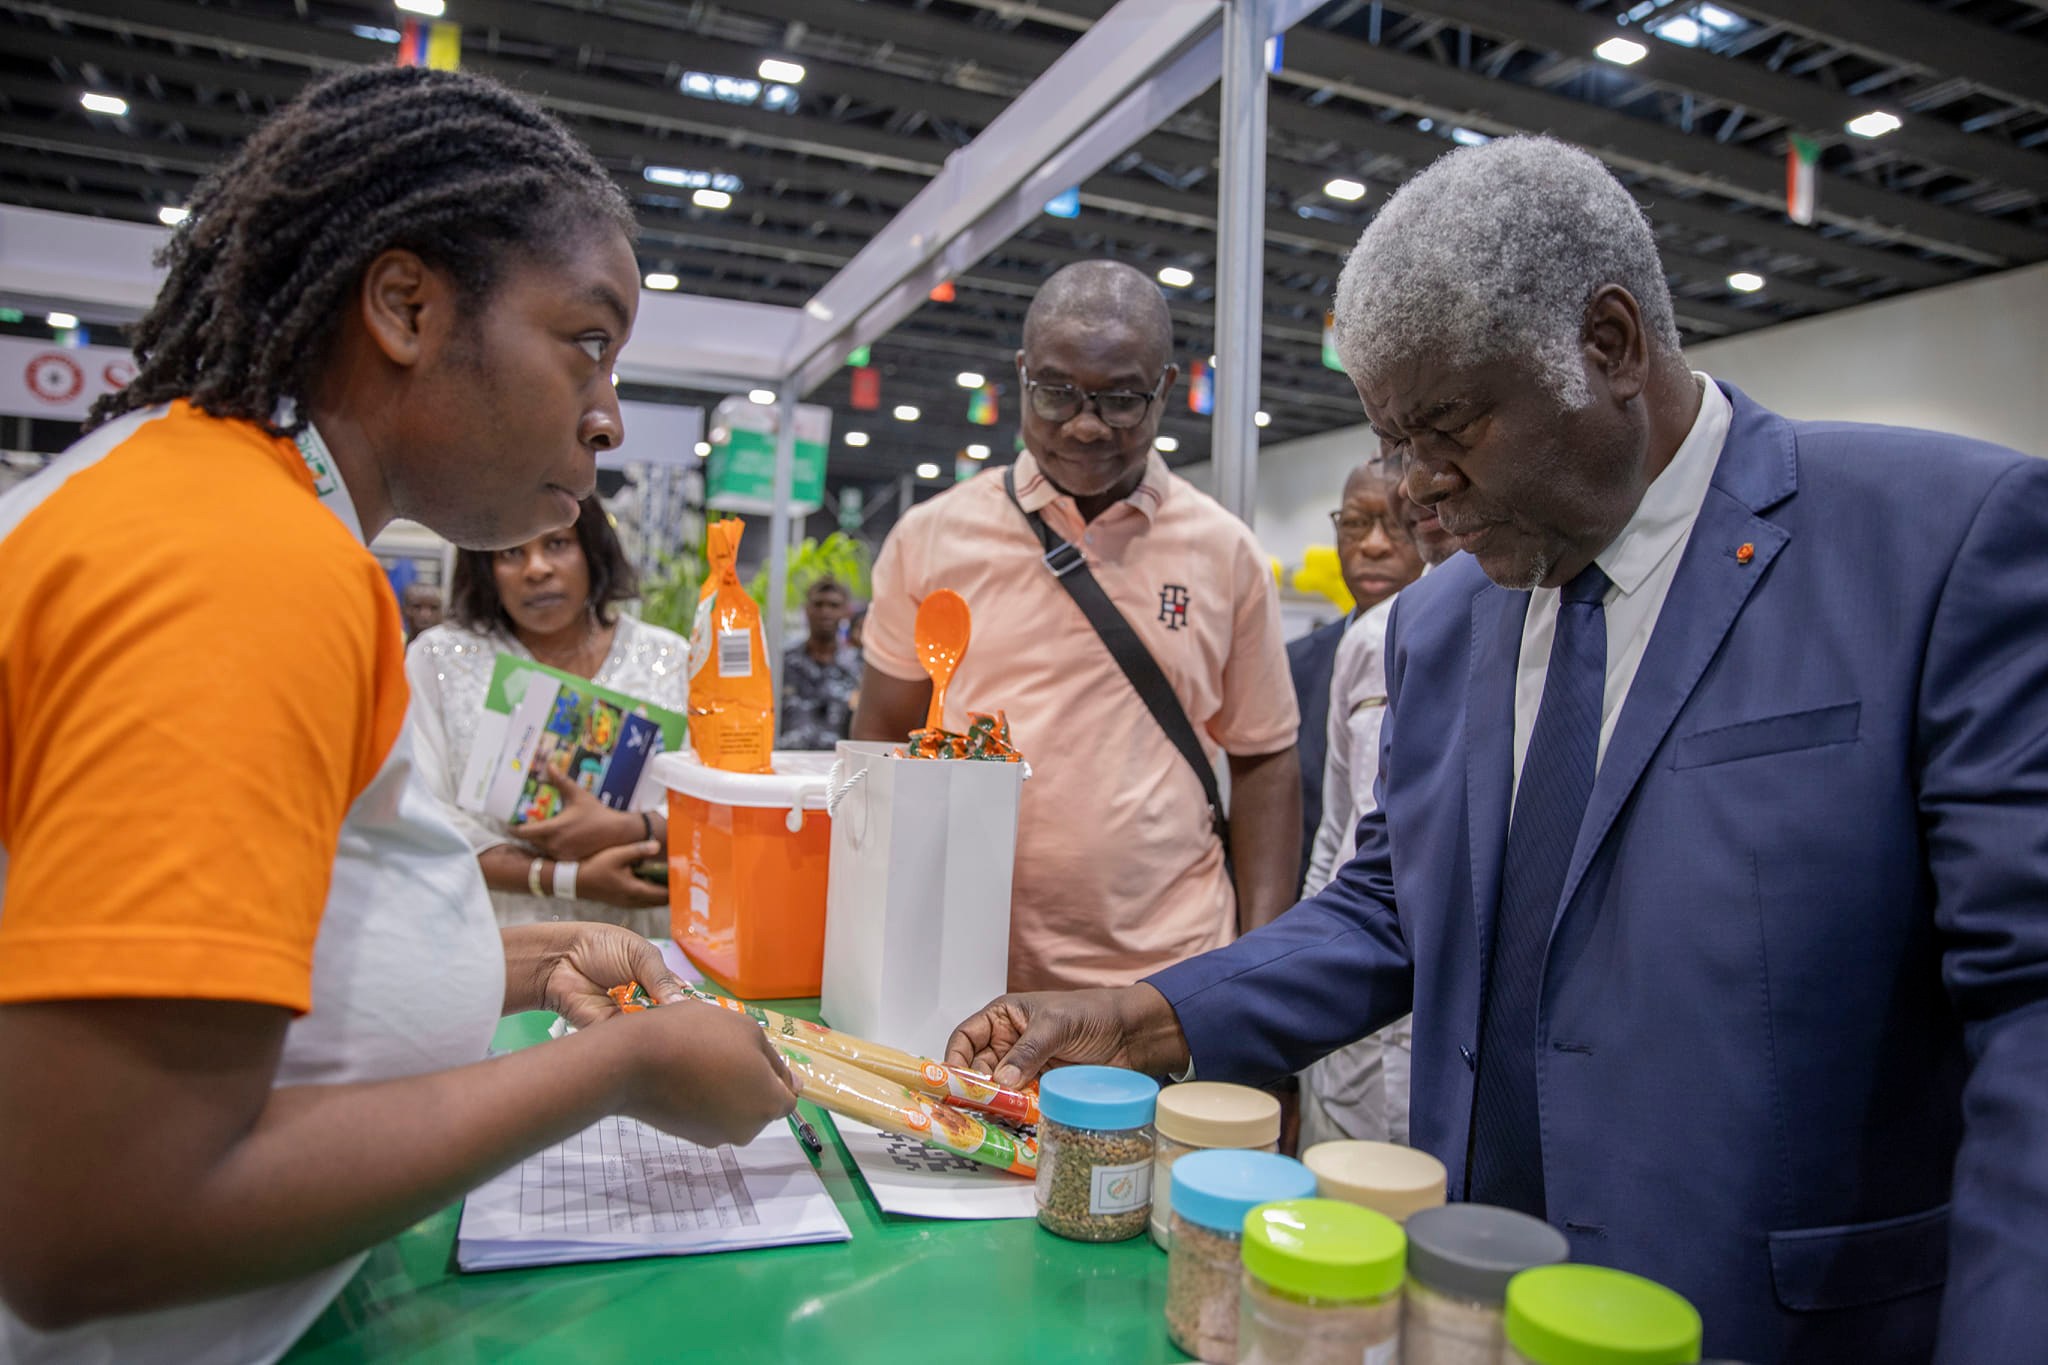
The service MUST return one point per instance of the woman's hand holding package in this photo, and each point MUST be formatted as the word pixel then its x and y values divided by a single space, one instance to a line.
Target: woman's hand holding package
pixel 570 968
pixel 585 826
pixel 706 1074
pixel 608 877
pixel 1015 1037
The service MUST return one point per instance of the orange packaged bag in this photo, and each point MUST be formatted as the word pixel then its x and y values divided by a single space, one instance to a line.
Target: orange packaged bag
pixel 732 699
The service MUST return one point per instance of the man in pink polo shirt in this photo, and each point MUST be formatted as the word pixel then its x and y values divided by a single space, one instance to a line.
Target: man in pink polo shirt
pixel 1119 867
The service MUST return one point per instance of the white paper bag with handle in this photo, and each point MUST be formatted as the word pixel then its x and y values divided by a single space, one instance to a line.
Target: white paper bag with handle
pixel 917 910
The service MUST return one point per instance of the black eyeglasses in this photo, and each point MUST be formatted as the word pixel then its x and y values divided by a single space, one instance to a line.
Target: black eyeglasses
pixel 1352 529
pixel 1120 408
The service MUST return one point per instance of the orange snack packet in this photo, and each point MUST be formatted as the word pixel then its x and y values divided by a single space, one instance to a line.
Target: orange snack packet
pixel 732 699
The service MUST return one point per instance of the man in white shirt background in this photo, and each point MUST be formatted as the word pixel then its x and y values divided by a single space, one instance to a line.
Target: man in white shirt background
pixel 1361 1091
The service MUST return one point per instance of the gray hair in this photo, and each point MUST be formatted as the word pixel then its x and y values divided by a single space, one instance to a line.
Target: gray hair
pixel 1494 251
pixel 1095 291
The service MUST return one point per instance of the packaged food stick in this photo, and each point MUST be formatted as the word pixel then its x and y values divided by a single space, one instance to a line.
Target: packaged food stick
pixel 732 698
pixel 933 1080
pixel 845 1089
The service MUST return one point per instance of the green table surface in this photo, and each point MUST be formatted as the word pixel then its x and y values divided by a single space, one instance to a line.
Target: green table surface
pixel 904 1289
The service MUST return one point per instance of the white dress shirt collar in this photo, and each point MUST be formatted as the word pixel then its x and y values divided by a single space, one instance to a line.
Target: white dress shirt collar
pixel 1663 519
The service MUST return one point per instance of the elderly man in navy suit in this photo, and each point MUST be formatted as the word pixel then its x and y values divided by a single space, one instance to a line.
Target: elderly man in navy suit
pixel 1715 779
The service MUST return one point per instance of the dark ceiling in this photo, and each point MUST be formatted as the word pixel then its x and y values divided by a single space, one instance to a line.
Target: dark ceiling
pixel 1368 91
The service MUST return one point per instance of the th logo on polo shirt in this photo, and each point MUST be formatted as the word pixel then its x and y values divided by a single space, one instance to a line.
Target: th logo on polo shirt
pixel 1173 606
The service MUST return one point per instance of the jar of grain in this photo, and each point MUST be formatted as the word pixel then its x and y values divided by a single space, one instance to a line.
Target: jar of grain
pixel 1566 1314
pixel 1095 1152
pixel 1322 1285
pixel 1460 1259
pixel 1204 1116
pixel 1382 1176
pixel 1212 1193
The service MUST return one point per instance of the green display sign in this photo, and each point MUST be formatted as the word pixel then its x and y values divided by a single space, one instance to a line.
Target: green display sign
pixel 739 475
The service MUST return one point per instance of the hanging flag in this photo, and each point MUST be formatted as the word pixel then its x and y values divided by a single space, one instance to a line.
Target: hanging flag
pixel 964 468
pixel 434 45
pixel 981 406
pixel 1065 204
pixel 1276 52
pixel 867 388
pixel 1330 360
pixel 942 292
pixel 1801 155
pixel 857 357
pixel 1201 389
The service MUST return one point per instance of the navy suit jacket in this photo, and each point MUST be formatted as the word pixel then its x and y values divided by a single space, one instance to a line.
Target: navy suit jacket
pixel 1792 1045
pixel 1310 662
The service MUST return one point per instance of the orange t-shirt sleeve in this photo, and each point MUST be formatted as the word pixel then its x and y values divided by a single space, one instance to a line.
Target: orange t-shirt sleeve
pixel 186 723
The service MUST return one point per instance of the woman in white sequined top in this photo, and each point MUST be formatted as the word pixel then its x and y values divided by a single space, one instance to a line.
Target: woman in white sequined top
pixel 554 599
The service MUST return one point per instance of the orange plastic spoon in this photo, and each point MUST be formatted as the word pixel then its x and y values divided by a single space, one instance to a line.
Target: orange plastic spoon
pixel 943 625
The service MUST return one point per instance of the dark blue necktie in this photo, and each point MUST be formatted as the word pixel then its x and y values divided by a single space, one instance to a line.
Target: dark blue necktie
pixel 1550 805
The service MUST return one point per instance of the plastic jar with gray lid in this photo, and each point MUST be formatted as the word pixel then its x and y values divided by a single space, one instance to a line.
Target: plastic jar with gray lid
pixel 1460 1259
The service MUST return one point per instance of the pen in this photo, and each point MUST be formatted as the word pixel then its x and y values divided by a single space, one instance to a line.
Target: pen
pixel 806 1135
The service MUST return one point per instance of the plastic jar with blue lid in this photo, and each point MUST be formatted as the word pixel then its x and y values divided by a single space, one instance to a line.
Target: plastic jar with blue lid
pixel 1212 1193
pixel 1095 1149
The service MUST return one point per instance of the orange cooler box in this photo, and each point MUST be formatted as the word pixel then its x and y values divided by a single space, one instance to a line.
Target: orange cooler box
pixel 747 854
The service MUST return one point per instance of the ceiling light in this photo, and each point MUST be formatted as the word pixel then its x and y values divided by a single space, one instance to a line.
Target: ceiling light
pixel 927 471
pixel 1262 418
pixel 976 452
pixel 765 397
pixel 684 178
pixel 104 104
pixel 856 439
pixel 907 413
pixel 1347 190
pixel 1621 52
pixel 703 449
pixel 1745 282
pixel 1713 16
pixel 1465 137
pixel 170 215
pixel 660 279
pixel 817 310
pixel 1680 29
pixel 63 322
pixel 775 69
pixel 1876 123
pixel 433 9
pixel 711 199
pixel 968 379
pixel 1173 277
pixel 1166 445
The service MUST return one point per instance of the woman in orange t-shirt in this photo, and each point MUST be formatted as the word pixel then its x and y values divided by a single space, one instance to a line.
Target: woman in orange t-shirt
pixel 248 970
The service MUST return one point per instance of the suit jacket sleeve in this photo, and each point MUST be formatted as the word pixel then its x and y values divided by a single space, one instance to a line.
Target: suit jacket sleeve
pixel 1983 742
pixel 1291 991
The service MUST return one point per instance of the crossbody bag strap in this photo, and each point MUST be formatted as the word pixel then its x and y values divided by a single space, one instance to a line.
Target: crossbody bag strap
pixel 1065 561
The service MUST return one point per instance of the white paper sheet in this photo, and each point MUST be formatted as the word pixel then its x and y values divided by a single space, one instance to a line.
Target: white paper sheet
pixel 621 1189
pixel 907 1177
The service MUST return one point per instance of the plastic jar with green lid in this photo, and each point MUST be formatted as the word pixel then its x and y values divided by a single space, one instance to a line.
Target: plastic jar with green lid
pixel 1590 1315
pixel 1460 1260
pixel 1382 1176
pixel 1202 1116
pixel 1322 1285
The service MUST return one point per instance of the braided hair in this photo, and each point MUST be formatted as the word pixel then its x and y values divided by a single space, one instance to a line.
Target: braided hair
pixel 455 168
